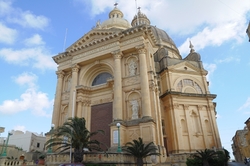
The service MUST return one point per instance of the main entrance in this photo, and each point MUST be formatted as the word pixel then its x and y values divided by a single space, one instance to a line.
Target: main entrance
pixel 101 117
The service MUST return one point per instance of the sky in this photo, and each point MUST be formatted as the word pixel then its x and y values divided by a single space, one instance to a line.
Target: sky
pixel 32 32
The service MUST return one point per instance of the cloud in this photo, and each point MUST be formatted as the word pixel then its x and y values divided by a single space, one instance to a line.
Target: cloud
pixel 34 40
pixel 38 57
pixel 210 68
pixel 246 105
pixel 7 35
pixel 28 20
pixel 31 100
pixel 206 23
pixel 5 7
pixel 26 79
pixel 228 59
pixel 215 36
pixel 24 18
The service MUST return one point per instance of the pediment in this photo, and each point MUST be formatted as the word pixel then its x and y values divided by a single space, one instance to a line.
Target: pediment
pixel 93 37
pixel 188 67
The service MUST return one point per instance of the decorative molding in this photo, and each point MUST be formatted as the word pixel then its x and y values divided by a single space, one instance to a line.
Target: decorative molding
pixel 131 41
pixel 95 50
pixel 101 101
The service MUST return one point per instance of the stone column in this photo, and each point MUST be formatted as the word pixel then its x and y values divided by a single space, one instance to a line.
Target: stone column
pixel 58 97
pixel 117 102
pixel 79 108
pixel 74 79
pixel 145 94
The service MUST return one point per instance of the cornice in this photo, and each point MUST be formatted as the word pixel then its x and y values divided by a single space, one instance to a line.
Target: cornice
pixel 212 96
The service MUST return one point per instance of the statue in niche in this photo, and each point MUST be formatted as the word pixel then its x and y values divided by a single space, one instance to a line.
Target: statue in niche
pixel 69 84
pixel 132 68
pixel 134 108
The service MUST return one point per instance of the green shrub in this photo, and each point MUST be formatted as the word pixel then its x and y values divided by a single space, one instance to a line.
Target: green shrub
pixel 193 162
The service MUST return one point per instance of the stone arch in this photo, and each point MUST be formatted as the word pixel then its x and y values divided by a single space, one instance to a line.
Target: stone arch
pixel 87 76
pixel 194 88
pixel 133 97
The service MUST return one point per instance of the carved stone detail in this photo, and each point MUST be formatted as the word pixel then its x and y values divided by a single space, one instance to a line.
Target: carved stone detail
pixel 176 105
pixel 131 80
pixel 60 74
pixel 75 68
pixel 200 107
pixel 117 54
pixel 141 49
pixel 186 106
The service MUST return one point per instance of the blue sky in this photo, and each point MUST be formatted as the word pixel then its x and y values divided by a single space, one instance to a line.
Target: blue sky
pixel 31 32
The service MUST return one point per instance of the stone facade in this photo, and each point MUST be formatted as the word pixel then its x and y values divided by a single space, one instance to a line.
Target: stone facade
pixel 137 77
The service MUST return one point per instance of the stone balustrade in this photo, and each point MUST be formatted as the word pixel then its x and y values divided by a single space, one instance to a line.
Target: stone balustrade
pixel 13 162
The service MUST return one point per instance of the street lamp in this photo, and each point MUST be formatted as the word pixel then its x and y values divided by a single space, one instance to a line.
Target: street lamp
pixel 50 148
pixel 4 154
pixel 119 146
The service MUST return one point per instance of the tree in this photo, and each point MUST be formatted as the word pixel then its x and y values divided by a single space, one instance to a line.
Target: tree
pixel 74 134
pixel 140 150
pixel 205 156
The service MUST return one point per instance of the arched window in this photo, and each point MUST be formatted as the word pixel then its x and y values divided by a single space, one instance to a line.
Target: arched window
pixel 101 79
pixel 188 82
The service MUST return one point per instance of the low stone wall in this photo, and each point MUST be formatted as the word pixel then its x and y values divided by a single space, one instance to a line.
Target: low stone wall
pixel 118 159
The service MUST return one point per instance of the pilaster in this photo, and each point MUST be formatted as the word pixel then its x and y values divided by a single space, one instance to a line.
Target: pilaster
pixel 58 96
pixel 75 69
pixel 145 94
pixel 117 104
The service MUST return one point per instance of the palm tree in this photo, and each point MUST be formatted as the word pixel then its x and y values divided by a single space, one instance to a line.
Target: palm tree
pixel 205 156
pixel 74 134
pixel 140 150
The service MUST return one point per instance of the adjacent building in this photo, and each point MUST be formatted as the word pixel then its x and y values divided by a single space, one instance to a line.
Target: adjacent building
pixel 241 143
pixel 134 74
pixel 27 141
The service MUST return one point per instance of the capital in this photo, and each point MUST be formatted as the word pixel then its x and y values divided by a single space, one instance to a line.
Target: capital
pixel 75 68
pixel 60 74
pixel 141 49
pixel 117 54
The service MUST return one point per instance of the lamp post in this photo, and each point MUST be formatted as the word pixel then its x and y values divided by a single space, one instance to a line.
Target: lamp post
pixel 119 146
pixel 4 154
pixel 50 148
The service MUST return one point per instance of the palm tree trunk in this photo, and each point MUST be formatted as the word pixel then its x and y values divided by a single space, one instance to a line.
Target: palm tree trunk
pixel 139 162
pixel 78 155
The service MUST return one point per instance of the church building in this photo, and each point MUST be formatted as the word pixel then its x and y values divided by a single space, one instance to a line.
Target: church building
pixel 133 74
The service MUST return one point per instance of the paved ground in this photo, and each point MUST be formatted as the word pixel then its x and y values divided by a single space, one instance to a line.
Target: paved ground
pixel 236 164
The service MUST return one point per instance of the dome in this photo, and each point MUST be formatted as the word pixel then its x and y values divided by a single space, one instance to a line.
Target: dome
pixel 140 19
pixel 162 36
pixel 116 20
pixel 193 56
